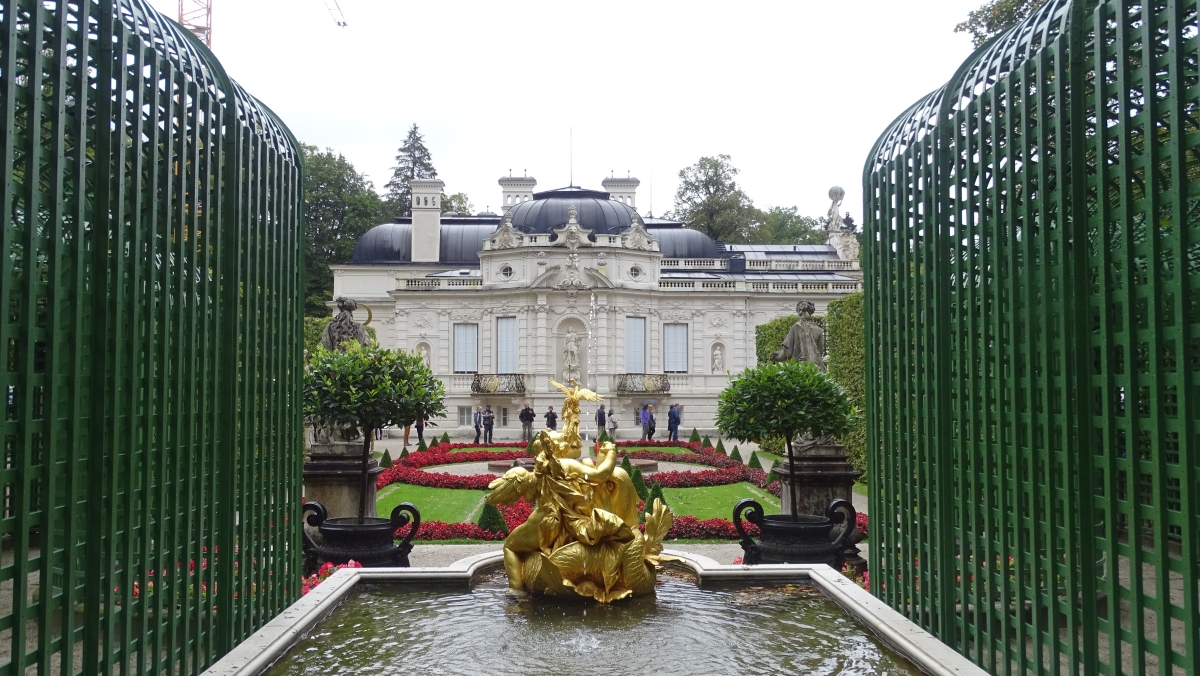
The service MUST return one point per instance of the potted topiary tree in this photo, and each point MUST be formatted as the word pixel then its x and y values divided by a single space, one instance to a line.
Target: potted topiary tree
pixel 368 387
pixel 787 399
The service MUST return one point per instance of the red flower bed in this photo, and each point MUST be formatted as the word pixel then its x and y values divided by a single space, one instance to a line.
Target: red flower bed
pixel 438 457
pixel 416 477
pixel 693 446
pixel 861 522
pixel 446 448
pixel 709 529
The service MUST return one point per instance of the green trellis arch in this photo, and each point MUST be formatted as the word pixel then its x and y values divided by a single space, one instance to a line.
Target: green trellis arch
pixel 152 296
pixel 1033 344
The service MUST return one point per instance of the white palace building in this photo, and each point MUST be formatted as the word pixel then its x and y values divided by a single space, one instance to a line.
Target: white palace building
pixel 575 283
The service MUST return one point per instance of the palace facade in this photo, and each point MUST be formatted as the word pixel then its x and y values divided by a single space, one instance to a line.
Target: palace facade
pixel 575 283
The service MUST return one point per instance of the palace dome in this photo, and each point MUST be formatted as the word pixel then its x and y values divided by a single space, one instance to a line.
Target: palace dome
pixel 594 211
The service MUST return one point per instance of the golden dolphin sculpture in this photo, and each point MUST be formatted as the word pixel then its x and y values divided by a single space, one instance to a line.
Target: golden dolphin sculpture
pixel 582 538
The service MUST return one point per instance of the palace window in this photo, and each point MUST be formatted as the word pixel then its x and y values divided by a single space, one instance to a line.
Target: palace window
pixel 466 348
pixel 635 344
pixel 464 416
pixel 675 348
pixel 506 345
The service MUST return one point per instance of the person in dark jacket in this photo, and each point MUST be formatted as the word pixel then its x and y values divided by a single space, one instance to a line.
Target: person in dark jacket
pixel 673 423
pixel 601 419
pixel 527 416
pixel 420 431
pixel 551 419
pixel 653 423
pixel 645 420
pixel 489 423
pixel 478 420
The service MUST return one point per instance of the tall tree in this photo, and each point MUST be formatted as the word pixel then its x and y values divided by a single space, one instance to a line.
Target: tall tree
pixel 783 225
pixel 995 17
pixel 412 161
pixel 340 205
pixel 709 200
pixel 459 203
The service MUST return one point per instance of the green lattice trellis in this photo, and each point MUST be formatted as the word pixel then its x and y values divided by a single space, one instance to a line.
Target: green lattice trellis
pixel 152 295
pixel 1033 258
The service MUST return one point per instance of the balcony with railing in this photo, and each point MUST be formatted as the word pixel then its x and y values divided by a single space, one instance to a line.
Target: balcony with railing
pixel 433 284
pixel 758 264
pixel 498 383
pixel 643 383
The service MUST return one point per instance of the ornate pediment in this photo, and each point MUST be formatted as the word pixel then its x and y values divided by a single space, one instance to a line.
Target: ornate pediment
pixel 571 235
pixel 505 237
pixel 636 236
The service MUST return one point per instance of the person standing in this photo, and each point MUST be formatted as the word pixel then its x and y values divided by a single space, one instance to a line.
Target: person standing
pixel 527 416
pixel 489 423
pixel 612 425
pixel 601 419
pixel 645 420
pixel 551 419
pixel 420 430
pixel 653 421
pixel 478 420
pixel 673 423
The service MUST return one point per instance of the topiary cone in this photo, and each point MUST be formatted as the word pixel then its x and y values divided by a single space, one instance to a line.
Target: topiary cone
pixel 754 463
pixel 736 455
pixel 445 437
pixel 639 484
pixel 656 491
pixel 721 447
pixel 705 443
pixel 492 520
pixel 626 465
pixel 404 452
pixel 695 436
pixel 422 447
pixel 386 460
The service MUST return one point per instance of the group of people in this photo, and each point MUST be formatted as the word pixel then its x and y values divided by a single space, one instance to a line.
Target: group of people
pixel 485 422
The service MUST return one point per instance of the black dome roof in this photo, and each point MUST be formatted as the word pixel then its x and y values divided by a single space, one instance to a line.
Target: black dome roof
pixel 392 243
pixel 595 211
pixel 684 243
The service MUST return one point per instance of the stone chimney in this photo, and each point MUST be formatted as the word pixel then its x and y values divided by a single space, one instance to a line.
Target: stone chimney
pixel 514 190
pixel 426 219
pixel 623 190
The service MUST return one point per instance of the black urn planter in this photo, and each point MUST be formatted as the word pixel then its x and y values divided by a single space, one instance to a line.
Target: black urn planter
pixel 367 540
pixel 801 539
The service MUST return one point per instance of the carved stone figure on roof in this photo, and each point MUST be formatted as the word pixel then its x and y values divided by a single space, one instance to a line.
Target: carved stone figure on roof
pixel 636 236
pixel 505 236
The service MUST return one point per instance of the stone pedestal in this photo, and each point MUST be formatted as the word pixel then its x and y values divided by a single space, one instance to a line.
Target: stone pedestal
pixel 333 477
pixel 823 474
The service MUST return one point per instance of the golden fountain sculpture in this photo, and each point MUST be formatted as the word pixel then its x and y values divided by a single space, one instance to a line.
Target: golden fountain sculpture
pixel 582 538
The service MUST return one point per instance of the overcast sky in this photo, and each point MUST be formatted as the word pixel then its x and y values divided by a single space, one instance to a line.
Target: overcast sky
pixel 794 92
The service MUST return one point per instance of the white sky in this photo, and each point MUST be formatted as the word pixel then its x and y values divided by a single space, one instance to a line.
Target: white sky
pixel 795 92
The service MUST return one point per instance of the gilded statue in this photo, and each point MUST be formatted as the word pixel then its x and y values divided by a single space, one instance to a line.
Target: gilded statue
pixel 582 539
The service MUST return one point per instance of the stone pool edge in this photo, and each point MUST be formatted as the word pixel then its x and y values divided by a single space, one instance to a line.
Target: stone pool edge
pixel 920 647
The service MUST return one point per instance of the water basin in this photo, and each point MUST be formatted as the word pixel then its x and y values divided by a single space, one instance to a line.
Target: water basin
pixel 388 628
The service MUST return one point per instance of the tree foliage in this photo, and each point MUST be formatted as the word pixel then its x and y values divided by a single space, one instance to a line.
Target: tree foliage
pixel 340 205
pixel 995 17
pixel 783 399
pixel 709 200
pixel 784 225
pixel 847 367
pixel 458 203
pixel 413 161
pixel 370 387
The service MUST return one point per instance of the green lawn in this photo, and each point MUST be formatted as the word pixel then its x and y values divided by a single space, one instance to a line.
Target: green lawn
pixel 660 449
pixel 436 504
pixel 716 501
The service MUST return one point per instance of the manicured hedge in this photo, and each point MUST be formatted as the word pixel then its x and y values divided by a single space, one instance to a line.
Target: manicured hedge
pixel 847 367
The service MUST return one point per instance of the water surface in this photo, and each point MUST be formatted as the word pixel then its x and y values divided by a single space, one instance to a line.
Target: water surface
pixel 424 629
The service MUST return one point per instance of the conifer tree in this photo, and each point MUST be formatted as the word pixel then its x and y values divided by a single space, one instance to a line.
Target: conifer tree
pixel 422 447
pixel 626 465
pixel 492 520
pixel 721 447
pixel 412 161
pixel 695 436
pixel 736 456
pixel 655 492
pixel 705 443
pixel 754 462
pixel 639 484
pixel 386 460
pixel 445 437
pixel 404 452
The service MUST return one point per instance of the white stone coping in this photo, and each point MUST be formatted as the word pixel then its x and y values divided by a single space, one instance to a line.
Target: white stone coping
pixel 268 644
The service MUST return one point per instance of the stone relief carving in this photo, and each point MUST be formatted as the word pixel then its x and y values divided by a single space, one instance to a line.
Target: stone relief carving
pixel 422 321
pixel 636 236
pixel 541 258
pixel 717 321
pixel 466 315
pixel 571 235
pixel 505 236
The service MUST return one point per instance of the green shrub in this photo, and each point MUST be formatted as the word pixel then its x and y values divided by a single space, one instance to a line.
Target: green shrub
pixel 516 463
pixel 736 456
pixel 422 447
pixel 445 438
pixel 695 438
pixel 404 452
pixel 774 445
pixel 386 460
pixel 604 436
pixel 847 367
pixel 639 484
pixel 626 465
pixel 721 447
pixel 492 520
pixel 655 492
pixel 705 442
pixel 754 462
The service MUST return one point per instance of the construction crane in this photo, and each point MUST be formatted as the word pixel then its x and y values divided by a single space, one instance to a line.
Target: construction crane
pixel 196 16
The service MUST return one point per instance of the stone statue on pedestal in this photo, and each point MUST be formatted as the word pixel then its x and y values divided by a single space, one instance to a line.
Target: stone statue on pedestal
pixel 806 339
pixel 343 328
pixel 571 357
